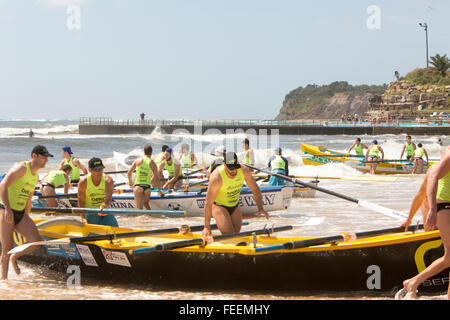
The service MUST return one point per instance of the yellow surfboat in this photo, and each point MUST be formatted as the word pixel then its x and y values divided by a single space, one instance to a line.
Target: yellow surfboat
pixel 319 155
pixel 377 263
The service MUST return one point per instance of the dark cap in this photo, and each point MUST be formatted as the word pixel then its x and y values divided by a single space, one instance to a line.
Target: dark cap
pixel 67 149
pixel 277 150
pixel 169 150
pixel 96 164
pixel 42 151
pixel 375 142
pixel 231 161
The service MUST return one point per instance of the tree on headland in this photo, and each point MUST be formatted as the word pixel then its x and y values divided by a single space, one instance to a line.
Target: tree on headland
pixel 440 63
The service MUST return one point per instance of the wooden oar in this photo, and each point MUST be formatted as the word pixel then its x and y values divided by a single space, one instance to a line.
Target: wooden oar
pixel 349 236
pixel 106 211
pixel 200 241
pixel 110 236
pixel 357 178
pixel 331 155
pixel 365 204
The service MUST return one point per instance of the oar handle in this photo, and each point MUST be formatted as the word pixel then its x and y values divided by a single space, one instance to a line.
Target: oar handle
pixel 303 184
pixel 106 211
pixel 336 238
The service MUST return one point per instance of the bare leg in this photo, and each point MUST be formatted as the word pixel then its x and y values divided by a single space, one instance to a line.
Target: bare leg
pixel 28 229
pixel 7 230
pixel 146 198
pixel 225 222
pixel 443 223
pixel 49 191
pixel 139 197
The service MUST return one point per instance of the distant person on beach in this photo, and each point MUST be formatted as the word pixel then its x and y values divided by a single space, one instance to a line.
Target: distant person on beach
pixel 142 184
pixel 142 115
pixel 359 147
pixel 437 186
pixel 373 156
pixel 278 164
pixel 187 159
pixel 409 147
pixel 55 179
pixel 222 197
pixel 74 163
pixel 95 191
pixel 16 191
pixel 173 168
pixel 31 133
pixel 417 157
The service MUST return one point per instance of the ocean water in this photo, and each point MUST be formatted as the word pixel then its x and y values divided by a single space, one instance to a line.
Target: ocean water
pixel 340 215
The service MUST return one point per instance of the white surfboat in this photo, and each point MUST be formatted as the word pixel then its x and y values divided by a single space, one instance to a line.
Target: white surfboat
pixel 193 202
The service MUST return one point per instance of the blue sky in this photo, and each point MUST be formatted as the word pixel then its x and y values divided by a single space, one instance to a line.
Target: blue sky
pixel 201 59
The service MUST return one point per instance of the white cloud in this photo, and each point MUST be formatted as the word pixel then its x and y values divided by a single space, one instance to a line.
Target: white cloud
pixel 59 3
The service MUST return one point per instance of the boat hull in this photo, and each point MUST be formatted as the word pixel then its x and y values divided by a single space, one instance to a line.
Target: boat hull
pixel 376 265
pixel 318 156
pixel 193 202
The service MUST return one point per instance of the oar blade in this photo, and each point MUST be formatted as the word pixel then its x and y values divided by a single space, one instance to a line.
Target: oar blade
pixel 381 209
pixel 25 246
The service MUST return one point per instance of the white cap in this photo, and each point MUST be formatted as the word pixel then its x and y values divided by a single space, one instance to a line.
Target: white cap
pixel 220 148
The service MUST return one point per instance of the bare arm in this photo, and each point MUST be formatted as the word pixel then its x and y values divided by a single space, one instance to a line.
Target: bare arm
pixel 67 184
pixel 130 173
pixel 215 183
pixel 109 186
pixel 251 183
pixel 403 151
pixel 350 149
pixel 82 185
pixel 78 163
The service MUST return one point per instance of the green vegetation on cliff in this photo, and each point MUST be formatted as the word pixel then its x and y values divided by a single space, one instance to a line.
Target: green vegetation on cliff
pixel 436 75
pixel 313 101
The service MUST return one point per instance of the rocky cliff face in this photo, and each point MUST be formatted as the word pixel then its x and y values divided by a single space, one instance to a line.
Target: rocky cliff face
pixel 328 108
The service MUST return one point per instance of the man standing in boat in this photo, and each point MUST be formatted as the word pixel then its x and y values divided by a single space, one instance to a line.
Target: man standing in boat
pixel 409 147
pixel 222 197
pixel 73 162
pixel 438 196
pixel 142 184
pixel 359 147
pixel 16 191
pixel 417 157
pixel 372 156
pixel 95 191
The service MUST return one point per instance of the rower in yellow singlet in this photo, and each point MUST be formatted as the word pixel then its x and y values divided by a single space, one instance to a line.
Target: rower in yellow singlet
pixel 142 185
pixel 359 147
pixel 417 157
pixel 438 197
pixel 173 167
pixel 373 156
pixel 73 162
pixel 186 158
pixel 249 155
pixel 222 197
pixel 16 191
pixel 409 147
pixel 55 179
pixel 95 191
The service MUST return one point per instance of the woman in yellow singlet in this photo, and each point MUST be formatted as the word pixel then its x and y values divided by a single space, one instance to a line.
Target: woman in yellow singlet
pixel 16 190
pixel 373 156
pixel 222 197
pixel 438 196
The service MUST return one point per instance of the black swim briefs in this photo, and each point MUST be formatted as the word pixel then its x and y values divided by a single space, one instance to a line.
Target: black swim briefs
pixel 229 209
pixel 18 215
pixel 443 206
pixel 143 186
